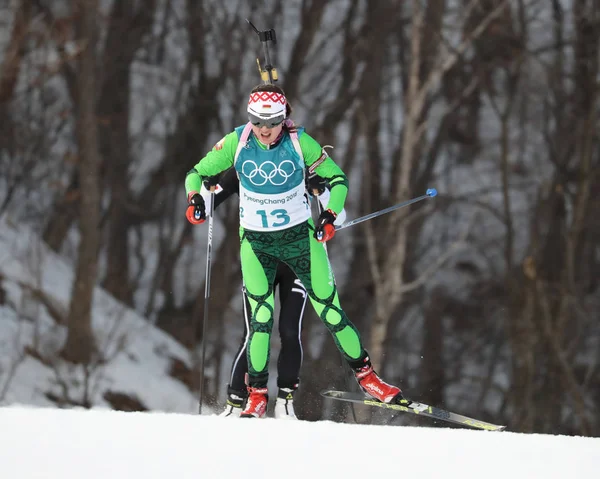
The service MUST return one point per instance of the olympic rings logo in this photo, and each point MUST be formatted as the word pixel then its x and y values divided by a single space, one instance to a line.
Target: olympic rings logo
pixel 268 172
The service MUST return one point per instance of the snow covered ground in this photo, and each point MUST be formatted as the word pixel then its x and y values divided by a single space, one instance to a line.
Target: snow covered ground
pixel 90 444
pixel 35 288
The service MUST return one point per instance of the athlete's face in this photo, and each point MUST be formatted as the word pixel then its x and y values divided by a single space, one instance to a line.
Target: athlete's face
pixel 266 135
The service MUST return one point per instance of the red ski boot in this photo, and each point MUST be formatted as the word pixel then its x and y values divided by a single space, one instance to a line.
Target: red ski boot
pixel 375 387
pixel 256 405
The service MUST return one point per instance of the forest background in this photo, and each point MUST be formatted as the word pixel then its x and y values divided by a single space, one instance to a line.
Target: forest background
pixel 485 299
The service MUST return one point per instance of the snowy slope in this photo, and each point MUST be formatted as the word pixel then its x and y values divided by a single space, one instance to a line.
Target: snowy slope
pixel 75 444
pixel 34 292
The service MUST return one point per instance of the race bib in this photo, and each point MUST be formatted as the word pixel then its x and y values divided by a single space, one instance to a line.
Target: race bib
pixel 273 212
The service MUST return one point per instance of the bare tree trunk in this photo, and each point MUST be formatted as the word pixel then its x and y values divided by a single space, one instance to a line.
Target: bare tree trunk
pixel 523 340
pixel 555 269
pixel 9 70
pixel 311 16
pixel 125 34
pixel 388 267
pixel 9 73
pixel 62 215
pixel 433 365
pixel 389 276
pixel 80 344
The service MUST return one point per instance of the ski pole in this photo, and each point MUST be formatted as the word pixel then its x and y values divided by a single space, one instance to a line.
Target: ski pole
pixel 430 193
pixel 211 208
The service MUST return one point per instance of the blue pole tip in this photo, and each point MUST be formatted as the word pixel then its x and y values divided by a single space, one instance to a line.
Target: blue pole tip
pixel 431 192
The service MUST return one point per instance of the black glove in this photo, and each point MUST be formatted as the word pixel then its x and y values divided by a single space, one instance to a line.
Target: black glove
pixel 316 185
pixel 324 229
pixel 196 210
pixel 211 181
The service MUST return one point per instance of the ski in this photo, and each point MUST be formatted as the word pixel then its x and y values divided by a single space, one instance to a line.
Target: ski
pixel 417 408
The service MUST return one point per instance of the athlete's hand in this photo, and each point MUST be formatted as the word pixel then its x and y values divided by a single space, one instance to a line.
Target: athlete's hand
pixel 316 185
pixel 210 182
pixel 324 229
pixel 196 210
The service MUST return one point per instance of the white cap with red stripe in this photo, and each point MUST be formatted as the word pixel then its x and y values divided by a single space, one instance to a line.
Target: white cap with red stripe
pixel 266 104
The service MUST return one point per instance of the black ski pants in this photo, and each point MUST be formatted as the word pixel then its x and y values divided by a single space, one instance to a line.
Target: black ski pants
pixel 292 300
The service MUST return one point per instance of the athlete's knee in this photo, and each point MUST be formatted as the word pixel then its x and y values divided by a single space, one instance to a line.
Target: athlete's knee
pixel 261 307
pixel 264 314
pixel 332 317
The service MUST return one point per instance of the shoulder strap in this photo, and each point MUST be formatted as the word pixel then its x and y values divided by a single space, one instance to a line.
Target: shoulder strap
pixel 296 143
pixel 246 134
pixel 294 137
pixel 243 140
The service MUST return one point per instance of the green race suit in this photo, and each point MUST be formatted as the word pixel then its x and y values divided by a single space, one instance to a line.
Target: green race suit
pixel 275 225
